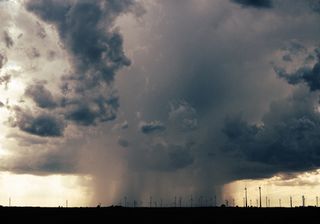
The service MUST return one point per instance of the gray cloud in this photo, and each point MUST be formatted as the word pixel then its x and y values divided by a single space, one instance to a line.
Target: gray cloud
pixel 29 140
pixel 95 49
pixel 255 3
pixel 288 140
pixel 185 78
pixel 42 124
pixel 92 43
pixel 87 112
pixel 151 127
pixel 58 163
pixel 95 46
pixel 306 74
pixel 43 163
pixel 190 79
pixel 40 95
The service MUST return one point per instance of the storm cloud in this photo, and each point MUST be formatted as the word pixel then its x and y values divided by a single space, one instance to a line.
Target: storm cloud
pixel 40 95
pixel 255 3
pixel 306 74
pixel 286 142
pixel 42 124
pixel 202 86
pixel 214 91
pixel 86 29
pixel 287 139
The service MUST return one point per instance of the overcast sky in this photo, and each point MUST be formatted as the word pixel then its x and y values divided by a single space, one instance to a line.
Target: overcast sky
pixel 160 98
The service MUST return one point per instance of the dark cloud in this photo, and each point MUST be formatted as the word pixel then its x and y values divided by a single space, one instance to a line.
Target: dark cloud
pixel 288 140
pixel 40 95
pixel 44 125
pixel 86 113
pixel 42 156
pixel 85 28
pixel 81 114
pixel 44 163
pixel 219 68
pixel 255 3
pixel 189 79
pixel 7 39
pixel 87 32
pixel 151 127
pixel 306 74
pixel 58 163
pixel 237 129
pixel 287 137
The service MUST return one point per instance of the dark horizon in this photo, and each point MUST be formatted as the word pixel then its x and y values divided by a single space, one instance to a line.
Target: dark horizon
pixel 163 215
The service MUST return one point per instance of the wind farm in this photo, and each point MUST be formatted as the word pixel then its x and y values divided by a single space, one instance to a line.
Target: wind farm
pixel 162 214
pixel 190 209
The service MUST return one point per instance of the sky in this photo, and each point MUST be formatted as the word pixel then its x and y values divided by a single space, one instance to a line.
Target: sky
pixel 106 99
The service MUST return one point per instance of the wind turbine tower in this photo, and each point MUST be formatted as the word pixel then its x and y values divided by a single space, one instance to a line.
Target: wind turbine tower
pixel 246 196
pixel 260 197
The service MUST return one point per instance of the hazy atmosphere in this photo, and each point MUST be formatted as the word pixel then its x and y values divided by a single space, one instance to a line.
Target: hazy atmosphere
pixel 102 100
